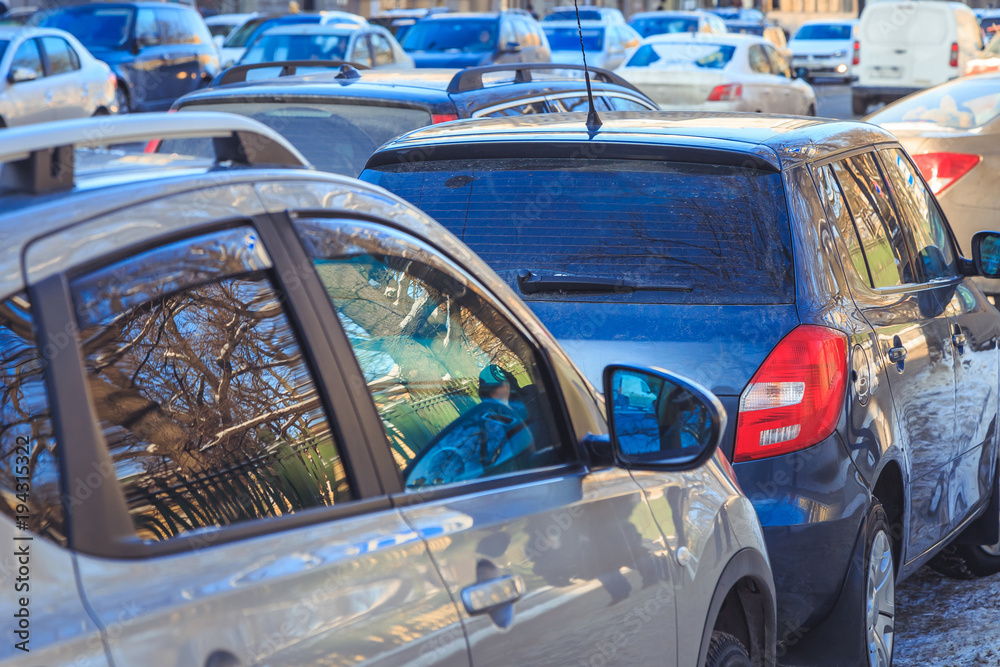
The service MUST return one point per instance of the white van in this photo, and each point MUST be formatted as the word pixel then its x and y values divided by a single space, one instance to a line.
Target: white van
pixel 903 47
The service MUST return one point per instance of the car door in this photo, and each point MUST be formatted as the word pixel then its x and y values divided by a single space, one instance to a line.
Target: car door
pixel 549 561
pixel 30 98
pixel 508 34
pixel 914 340
pixel 760 81
pixel 974 331
pixel 181 67
pixel 70 95
pixel 228 512
pixel 153 71
pixel 382 53
pixel 786 96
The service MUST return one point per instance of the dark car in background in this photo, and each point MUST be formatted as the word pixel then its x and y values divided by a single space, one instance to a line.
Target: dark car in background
pixel 364 108
pixel 470 40
pixel 398 21
pixel 802 270
pixel 158 51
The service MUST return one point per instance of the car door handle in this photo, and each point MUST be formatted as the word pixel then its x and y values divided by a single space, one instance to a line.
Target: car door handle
pixel 897 354
pixel 488 595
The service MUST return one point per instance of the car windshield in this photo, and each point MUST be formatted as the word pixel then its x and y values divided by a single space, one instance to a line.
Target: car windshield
pixel 275 48
pixel 239 38
pixel 94 25
pixel 993 48
pixel 839 31
pixel 664 25
pixel 679 232
pixel 220 29
pixel 703 56
pixel 470 35
pixel 568 39
pixel 963 104
pixel 338 138
pixel 570 15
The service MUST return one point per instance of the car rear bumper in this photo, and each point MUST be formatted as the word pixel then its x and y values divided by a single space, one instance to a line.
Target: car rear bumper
pixel 884 93
pixel 812 505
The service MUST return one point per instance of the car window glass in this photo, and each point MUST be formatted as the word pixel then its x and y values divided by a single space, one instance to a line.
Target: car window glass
pixel 457 386
pixel 29 465
pixel 779 64
pixel 28 58
pixel 837 210
pixel 758 60
pixel 62 58
pixel 383 50
pixel 360 52
pixel 507 33
pixel 147 27
pixel 580 103
pixel 921 218
pixel 626 104
pixel 172 28
pixel 880 234
pixel 518 110
pixel 202 391
pixel 195 30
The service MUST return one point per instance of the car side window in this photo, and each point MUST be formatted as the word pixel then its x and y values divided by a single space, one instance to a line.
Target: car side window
pixel 360 52
pixel 62 57
pixel 921 218
pixel 195 30
pixel 147 27
pixel 507 33
pixel 758 59
pixel 30 494
pixel 626 104
pixel 580 103
pixel 172 28
pixel 518 110
pixel 202 390
pixel 28 57
pixel 836 208
pixel 458 387
pixel 880 234
pixel 383 50
pixel 779 64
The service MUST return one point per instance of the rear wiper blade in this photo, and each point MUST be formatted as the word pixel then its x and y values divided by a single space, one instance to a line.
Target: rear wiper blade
pixel 532 282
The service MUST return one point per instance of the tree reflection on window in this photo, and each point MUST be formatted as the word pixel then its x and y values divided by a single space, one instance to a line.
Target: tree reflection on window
pixel 206 401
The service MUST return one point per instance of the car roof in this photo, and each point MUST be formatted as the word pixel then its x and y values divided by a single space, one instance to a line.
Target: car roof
pixel 587 23
pixel 668 13
pixel 313 29
pixel 456 16
pixel 778 140
pixel 831 22
pixel 734 39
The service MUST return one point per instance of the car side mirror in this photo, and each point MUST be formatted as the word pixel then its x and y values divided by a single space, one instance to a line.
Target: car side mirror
pixel 21 74
pixel 512 47
pixel 658 420
pixel 986 253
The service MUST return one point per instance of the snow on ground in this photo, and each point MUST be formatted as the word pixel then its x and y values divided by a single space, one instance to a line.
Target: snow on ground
pixel 947 623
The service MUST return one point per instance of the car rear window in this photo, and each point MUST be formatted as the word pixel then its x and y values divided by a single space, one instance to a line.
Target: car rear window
pixel 659 26
pixel 570 15
pixel 568 39
pixel 338 138
pixel 680 232
pixel 702 56
pixel 469 35
pixel 962 104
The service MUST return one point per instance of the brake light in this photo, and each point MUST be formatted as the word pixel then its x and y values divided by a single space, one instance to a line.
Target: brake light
pixel 795 398
pixel 856 60
pixel 953 61
pixel 443 117
pixel 726 93
pixel 941 170
pixel 154 144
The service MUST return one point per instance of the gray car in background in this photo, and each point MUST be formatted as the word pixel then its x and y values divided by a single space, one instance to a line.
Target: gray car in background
pixel 608 45
pixel 260 414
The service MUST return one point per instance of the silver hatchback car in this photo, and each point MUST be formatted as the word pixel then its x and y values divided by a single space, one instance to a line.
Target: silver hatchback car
pixel 258 414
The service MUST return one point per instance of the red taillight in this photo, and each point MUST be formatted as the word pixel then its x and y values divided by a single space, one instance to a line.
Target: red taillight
pixel 443 117
pixel 726 93
pixel 154 144
pixel 953 61
pixel 795 398
pixel 940 170
pixel 856 60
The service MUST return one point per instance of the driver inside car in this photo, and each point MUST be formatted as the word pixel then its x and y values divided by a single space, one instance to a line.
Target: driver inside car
pixel 486 440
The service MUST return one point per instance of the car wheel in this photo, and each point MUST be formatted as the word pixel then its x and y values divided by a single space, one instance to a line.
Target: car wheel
pixel 121 100
pixel 725 650
pixel 880 589
pixel 859 105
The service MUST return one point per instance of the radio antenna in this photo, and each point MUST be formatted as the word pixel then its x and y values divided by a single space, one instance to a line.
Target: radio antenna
pixel 593 120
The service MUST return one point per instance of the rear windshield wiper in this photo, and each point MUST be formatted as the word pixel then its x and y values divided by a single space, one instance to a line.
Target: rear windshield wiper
pixel 532 282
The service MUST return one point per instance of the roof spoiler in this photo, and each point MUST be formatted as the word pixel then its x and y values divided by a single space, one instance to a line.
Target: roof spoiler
pixel 472 78
pixel 238 73
pixel 40 158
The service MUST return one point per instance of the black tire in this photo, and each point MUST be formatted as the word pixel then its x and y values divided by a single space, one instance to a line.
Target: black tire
pixel 965 561
pixel 123 99
pixel 859 105
pixel 878 534
pixel 725 650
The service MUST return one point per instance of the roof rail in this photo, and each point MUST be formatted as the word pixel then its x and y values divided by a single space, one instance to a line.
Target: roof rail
pixel 238 73
pixel 39 158
pixel 472 78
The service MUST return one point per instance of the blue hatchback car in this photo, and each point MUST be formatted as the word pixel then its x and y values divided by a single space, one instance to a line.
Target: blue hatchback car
pixel 803 271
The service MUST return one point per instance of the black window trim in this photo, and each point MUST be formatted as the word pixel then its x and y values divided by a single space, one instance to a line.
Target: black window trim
pixel 400 496
pixel 100 524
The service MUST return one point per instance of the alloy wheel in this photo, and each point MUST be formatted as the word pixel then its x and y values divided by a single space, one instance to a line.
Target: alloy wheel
pixel 881 601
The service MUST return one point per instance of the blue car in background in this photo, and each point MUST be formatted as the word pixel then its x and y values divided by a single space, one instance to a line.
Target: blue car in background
pixel 158 51
pixel 470 40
